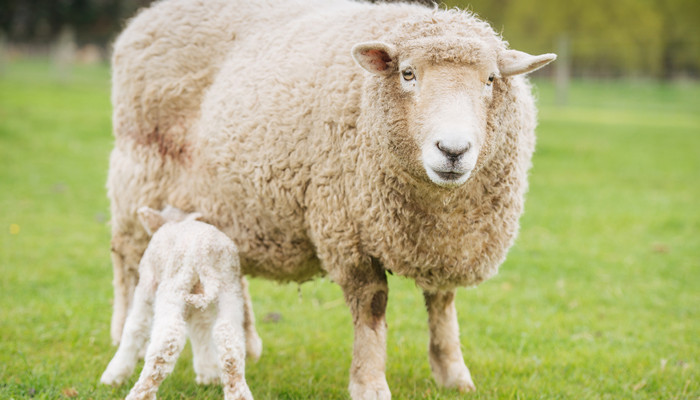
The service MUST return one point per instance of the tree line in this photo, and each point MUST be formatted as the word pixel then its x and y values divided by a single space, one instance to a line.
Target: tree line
pixel 645 38
pixel 659 38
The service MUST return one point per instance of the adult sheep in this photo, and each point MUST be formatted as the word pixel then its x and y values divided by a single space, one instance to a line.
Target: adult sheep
pixel 255 115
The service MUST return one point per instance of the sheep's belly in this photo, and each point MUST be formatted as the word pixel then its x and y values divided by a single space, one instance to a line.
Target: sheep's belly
pixel 282 259
pixel 302 271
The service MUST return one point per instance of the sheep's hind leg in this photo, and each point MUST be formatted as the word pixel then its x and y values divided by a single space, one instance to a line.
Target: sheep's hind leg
pixel 168 338
pixel 445 354
pixel 367 302
pixel 229 337
pixel 253 343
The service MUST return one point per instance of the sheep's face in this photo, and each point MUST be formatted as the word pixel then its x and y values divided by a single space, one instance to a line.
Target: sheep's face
pixel 446 107
pixel 442 94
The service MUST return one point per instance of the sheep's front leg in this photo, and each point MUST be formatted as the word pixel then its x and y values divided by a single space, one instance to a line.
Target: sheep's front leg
pixel 366 295
pixel 445 354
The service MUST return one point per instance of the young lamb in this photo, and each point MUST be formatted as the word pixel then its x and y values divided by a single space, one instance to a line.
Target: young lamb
pixel 329 137
pixel 189 283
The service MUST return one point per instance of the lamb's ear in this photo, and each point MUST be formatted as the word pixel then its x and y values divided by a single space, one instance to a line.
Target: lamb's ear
pixel 514 62
pixel 193 216
pixel 376 57
pixel 150 219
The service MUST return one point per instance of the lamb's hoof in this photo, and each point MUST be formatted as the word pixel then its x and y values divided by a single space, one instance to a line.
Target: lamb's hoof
pixel 141 395
pixel 208 379
pixel 253 347
pixel 455 376
pixel 113 377
pixel 377 390
pixel 239 391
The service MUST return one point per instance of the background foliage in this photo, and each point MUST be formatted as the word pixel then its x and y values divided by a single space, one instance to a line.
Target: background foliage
pixel 657 38
pixel 610 38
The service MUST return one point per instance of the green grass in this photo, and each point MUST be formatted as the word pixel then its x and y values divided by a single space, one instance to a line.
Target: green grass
pixel 599 299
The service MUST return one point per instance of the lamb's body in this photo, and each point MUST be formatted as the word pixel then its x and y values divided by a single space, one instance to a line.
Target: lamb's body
pixel 189 281
pixel 268 128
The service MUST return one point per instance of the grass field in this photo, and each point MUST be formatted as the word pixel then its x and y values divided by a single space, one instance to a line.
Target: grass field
pixel 599 298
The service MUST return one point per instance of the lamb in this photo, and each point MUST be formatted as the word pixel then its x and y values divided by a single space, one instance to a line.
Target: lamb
pixel 329 137
pixel 189 281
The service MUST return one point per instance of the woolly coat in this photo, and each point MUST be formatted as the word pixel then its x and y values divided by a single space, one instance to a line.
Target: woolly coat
pixel 256 116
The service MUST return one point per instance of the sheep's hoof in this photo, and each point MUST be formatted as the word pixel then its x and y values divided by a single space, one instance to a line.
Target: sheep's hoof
pixel 467 388
pixel 455 375
pixel 377 390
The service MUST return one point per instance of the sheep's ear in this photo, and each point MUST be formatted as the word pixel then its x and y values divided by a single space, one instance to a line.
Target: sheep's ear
pixel 514 62
pixel 150 219
pixel 376 57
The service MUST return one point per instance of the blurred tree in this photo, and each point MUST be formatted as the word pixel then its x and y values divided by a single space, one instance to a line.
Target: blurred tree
pixel 624 37
pixel 607 38
pixel 40 21
pixel 680 36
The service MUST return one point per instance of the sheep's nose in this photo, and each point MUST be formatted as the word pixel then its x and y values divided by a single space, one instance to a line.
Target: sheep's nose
pixel 453 152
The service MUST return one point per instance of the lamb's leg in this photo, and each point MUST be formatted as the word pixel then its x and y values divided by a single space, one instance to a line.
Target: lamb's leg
pixel 230 340
pixel 206 366
pixel 126 254
pixel 168 338
pixel 253 343
pixel 445 354
pixel 136 331
pixel 367 301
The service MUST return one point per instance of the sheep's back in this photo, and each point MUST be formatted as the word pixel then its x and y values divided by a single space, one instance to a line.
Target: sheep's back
pixel 166 59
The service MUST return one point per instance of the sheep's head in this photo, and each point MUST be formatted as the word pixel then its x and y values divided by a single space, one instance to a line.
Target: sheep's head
pixel 434 94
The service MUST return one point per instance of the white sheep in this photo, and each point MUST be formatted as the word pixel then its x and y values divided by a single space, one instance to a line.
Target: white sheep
pixel 256 115
pixel 189 283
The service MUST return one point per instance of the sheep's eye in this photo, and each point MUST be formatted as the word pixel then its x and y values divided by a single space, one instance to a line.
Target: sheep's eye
pixel 408 75
pixel 491 78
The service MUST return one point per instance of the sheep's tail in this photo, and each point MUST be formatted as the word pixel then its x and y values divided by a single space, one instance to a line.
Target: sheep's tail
pixel 204 292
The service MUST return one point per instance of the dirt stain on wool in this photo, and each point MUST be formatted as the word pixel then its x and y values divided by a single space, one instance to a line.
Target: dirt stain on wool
pixel 377 308
pixel 165 144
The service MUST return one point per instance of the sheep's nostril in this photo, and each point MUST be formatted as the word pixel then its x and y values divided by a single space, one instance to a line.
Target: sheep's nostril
pixel 453 152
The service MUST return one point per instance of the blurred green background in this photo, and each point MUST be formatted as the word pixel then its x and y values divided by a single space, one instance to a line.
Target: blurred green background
pixel 621 38
pixel 598 298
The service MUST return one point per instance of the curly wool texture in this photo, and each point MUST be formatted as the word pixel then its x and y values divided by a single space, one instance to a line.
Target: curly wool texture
pixel 299 156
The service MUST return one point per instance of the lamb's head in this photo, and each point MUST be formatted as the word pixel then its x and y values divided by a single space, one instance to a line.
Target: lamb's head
pixel 152 219
pixel 433 90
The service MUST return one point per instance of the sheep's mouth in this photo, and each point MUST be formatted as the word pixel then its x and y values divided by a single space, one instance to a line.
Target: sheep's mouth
pixel 449 175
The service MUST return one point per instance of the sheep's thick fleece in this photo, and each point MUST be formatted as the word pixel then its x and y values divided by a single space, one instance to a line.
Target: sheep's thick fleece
pixel 255 115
